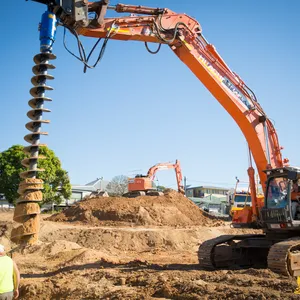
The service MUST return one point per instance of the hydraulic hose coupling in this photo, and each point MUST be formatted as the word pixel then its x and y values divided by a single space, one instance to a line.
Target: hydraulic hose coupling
pixel 47 28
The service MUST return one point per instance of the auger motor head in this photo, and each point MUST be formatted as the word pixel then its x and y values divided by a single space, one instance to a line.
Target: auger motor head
pixel 69 12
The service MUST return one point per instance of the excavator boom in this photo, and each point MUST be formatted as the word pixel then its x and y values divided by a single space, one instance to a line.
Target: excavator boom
pixel 183 35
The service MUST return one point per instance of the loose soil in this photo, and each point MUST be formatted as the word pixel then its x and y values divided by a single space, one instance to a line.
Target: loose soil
pixel 172 209
pixel 88 258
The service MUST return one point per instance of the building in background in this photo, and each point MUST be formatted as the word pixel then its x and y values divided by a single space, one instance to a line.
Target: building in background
pixel 210 198
pixel 4 203
pixel 80 191
pixel 204 191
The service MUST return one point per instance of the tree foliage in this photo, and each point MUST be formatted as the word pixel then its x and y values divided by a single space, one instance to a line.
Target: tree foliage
pixel 118 185
pixel 56 181
pixel 161 188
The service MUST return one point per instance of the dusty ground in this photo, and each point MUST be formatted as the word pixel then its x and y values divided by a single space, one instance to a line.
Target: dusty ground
pixel 122 259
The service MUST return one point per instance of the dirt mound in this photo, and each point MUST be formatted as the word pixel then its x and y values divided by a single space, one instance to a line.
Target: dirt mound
pixel 77 261
pixel 58 254
pixel 5 229
pixel 91 256
pixel 52 249
pixel 172 209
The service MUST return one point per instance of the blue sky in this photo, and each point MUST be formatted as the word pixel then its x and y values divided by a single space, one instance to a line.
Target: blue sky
pixel 136 109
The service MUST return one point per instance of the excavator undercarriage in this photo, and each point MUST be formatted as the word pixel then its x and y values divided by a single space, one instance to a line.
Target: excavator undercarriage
pixel 278 248
pixel 134 194
pixel 234 251
pixel 251 250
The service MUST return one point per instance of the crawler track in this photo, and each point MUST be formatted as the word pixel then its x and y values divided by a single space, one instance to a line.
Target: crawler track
pixel 233 254
pixel 279 259
pixel 206 250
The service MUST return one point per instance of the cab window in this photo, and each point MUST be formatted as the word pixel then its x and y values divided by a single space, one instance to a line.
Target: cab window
pixel 277 192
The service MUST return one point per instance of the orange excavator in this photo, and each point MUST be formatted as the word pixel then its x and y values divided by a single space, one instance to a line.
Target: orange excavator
pixel 142 185
pixel 279 244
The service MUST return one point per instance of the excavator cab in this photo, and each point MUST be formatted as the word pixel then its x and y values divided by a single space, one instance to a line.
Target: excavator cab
pixel 279 246
pixel 282 208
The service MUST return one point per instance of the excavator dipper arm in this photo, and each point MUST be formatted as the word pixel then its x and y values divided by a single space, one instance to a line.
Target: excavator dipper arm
pixel 166 166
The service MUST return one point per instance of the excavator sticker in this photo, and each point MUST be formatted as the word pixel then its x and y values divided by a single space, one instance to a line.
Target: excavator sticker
pixel 116 28
pixel 210 68
pixel 236 92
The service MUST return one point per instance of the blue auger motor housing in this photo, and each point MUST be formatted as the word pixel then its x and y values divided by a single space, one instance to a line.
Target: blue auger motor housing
pixel 47 31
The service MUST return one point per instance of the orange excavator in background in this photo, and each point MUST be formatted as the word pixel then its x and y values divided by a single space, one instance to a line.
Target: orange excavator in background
pixel 142 185
pixel 279 244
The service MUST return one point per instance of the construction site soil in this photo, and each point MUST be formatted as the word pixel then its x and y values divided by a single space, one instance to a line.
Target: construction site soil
pixel 141 248
pixel 172 209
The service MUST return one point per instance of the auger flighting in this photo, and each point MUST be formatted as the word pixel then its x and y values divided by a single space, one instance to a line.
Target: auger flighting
pixel 30 189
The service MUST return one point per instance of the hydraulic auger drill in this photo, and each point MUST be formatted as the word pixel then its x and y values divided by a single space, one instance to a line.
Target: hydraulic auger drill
pixel 70 14
pixel 27 209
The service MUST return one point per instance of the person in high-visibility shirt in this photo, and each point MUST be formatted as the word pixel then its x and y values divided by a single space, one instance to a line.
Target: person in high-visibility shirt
pixel 297 290
pixel 9 277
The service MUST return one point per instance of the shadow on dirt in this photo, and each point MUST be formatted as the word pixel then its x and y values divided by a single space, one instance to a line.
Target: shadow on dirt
pixel 127 267
pixel 132 266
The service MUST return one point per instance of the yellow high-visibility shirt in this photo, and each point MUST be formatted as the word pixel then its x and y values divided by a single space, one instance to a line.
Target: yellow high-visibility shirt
pixel 6 274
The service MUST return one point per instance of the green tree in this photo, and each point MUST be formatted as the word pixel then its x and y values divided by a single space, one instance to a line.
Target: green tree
pixel 56 181
pixel 161 188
